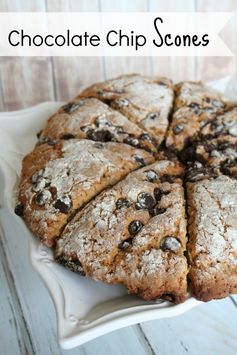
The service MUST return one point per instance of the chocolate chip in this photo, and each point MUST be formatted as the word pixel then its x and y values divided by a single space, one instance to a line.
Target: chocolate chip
pixel 68 136
pixel 152 116
pixel 72 264
pixel 146 137
pixel 132 141
pixel 140 161
pixel 19 209
pixel 43 197
pixel 72 107
pixel 145 200
pixel 155 211
pixel 100 135
pixel 158 193
pixel 151 175
pixel 63 204
pixel 170 244
pixel 168 178
pixel 122 202
pixel 178 128
pixel 39 134
pixel 195 107
pixel 135 226
pixel 125 244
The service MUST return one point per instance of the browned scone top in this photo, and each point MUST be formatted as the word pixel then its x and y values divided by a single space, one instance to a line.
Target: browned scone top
pixel 133 234
pixel 79 192
pixel 56 180
pixel 212 246
pixel 146 101
pixel 195 105
pixel 90 118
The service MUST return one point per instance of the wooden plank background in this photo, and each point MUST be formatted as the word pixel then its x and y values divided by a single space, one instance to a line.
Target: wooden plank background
pixel 28 324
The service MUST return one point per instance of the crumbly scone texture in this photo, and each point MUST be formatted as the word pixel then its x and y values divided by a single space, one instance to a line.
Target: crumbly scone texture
pixel 146 101
pixel 212 246
pixel 195 105
pixel 90 118
pixel 57 180
pixel 133 234
pixel 79 192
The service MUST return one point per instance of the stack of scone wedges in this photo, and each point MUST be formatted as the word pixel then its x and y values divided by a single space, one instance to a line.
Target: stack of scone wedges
pixel 134 183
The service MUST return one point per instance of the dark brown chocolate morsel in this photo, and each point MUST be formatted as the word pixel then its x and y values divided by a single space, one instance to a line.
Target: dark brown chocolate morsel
pixel 135 226
pixel 145 201
pixel 19 209
pixel 63 204
pixel 170 244
pixel 122 202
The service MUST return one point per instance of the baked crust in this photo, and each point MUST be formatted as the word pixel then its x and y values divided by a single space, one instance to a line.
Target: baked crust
pixel 133 234
pixel 146 101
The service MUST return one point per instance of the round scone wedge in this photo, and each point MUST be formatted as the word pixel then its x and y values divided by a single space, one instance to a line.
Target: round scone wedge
pixel 57 180
pixel 212 246
pixel 90 118
pixel 146 101
pixel 195 105
pixel 133 234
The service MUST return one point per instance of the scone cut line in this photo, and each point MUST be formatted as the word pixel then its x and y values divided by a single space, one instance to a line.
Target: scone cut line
pixel 133 182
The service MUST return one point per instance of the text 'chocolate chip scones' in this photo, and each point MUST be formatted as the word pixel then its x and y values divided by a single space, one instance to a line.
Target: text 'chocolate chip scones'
pixel 133 234
pixel 146 101
pixel 105 189
pixel 57 180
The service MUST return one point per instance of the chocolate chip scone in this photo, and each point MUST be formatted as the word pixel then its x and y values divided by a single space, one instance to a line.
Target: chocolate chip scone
pixel 133 234
pixel 195 105
pixel 212 246
pixel 89 118
pixel 146 101
pixel 57 180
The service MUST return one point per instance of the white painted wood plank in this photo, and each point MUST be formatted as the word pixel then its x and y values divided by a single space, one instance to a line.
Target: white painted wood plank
pixel 177 68
pixel 208 329
pixel 125 341
pixel 13 330
pixel 115 66
pixel 72 74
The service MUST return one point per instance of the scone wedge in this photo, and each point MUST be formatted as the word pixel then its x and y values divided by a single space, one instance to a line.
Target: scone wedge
pixel 133 234
pixel 57 180
pixel 146 101
pixel 212 246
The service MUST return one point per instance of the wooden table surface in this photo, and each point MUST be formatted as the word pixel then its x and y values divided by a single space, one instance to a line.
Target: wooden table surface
pixel 28 324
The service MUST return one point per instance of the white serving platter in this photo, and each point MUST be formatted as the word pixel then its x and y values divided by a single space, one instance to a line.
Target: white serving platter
pixel 85 309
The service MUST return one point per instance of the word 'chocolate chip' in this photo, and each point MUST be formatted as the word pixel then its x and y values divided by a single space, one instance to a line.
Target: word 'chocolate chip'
pixel 19 209
pixel 170 244
pixel 63 204
pixel 135 226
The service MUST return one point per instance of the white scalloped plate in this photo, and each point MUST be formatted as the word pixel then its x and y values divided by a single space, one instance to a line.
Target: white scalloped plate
pixel 85 309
